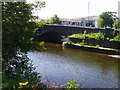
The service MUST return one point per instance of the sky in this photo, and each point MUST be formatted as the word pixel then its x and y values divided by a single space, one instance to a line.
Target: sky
pixel 76 8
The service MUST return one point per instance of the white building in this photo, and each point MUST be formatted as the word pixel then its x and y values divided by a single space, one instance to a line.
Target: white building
pixel 80 22
pixel 119 9
pixel 70 22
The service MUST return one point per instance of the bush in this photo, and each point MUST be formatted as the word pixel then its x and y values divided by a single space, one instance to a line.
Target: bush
pixel 117 24
pixel 72 84
pixel 78 35
pixel 98 35
pixel 116 38
pixel 40 24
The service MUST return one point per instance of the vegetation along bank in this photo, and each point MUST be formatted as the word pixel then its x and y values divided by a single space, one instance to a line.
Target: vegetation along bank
pixel 95 42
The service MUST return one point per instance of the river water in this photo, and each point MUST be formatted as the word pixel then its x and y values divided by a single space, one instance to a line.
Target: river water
pixel 59 65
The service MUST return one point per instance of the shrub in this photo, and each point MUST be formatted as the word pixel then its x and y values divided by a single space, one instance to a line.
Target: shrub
pixel 40 24
pixel 98 35
pixel 117 24
pixel 78 35
pixel 72 84
pixel 116 38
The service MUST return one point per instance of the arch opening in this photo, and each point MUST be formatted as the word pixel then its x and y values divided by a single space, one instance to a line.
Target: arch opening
pixel 52 36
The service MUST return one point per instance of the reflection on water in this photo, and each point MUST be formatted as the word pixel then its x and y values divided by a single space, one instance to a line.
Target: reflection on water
pixel 91 70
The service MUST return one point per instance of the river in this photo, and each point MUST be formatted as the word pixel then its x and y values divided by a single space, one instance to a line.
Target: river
pixel 59 65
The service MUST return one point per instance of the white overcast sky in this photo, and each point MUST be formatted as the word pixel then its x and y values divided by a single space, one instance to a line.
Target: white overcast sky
pixel 76 8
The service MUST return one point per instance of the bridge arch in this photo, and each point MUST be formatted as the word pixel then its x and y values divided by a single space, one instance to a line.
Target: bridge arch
pixel 51 36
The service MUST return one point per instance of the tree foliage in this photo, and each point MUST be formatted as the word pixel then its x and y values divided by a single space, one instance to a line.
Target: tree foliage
pixel 106 19
pixel 116 38
pixel 117 24
pixel 55 20
pixel 100 22
pixel 38 5
pixel 18 34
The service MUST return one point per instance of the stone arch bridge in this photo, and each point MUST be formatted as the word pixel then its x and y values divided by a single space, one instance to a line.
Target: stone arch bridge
pixel 68 30
pixel 54 32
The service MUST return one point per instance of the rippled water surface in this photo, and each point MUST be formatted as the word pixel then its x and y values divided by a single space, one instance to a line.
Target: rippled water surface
pixel 91 70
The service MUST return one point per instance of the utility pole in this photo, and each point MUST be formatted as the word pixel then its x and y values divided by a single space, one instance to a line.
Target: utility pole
pixel 88 9
pixel 119 9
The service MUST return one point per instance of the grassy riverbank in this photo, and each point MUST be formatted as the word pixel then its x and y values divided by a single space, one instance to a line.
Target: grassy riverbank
pixel 91 46
pixel 96 49
pixel 95 42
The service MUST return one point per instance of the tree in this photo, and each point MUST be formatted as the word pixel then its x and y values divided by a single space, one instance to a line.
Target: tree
pixel 18 34
pixel 117 24
pixel 55 20
pixel 90 24
pixel 106 19
pixel 38 6
pixel 100 22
